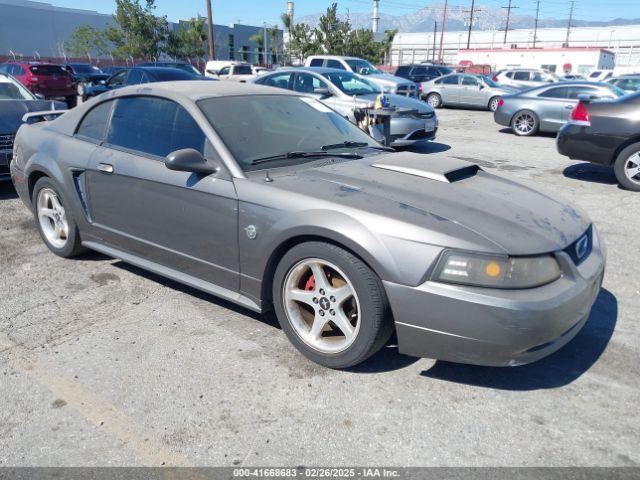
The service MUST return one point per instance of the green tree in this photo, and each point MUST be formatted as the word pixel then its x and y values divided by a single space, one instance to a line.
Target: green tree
pixel 302 42
pixel 272 40
pixel 138 32
pixel 86 41
pixel 361 43
pixel 188 41
pixel 332 33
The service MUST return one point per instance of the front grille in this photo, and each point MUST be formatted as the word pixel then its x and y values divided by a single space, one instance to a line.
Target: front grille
pixel 407 90
pixel 572 250
pixel 6 141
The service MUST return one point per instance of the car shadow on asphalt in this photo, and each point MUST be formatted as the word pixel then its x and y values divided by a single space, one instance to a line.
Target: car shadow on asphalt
pixel 554 371
pixel 7 192
pixel 590 172
pixel 539 134
pixel 426 147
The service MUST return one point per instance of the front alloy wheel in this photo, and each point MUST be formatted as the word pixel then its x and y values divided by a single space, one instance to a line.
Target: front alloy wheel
pixel 330 304
pixel 52 218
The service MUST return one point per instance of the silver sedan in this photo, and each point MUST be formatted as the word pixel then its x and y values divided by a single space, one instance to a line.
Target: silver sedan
pixel 350 94
pixel 464 89
pixel 547 108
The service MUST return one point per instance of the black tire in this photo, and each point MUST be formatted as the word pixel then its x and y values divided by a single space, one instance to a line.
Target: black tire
pixel 71 101
pixel 493 103
pixel 376 326
pixel 619 168
pixel 535 125
pixel 73 245
pixel 434 100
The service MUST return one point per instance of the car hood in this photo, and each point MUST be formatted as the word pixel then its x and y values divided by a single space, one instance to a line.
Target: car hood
pixel 386 79
pixel 472 209
pixel 12 111
pixel 398 101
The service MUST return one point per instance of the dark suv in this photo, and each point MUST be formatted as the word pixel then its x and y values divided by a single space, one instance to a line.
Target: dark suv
pixel 43 79
pixel 420 72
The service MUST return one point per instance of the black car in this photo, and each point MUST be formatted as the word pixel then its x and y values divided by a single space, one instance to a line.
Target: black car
pixel 135 76
pixel 187 67
pixel 422 72
pixel 85 73
pixel 608 133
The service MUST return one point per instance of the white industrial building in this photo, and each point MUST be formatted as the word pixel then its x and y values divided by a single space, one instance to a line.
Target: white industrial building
pixel 580 60
pixel 622 41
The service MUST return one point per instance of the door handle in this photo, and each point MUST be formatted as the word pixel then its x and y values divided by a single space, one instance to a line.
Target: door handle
pixel 105 167
pixel 569 107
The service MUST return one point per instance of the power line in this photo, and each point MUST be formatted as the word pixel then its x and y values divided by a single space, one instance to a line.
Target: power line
pixel 506 28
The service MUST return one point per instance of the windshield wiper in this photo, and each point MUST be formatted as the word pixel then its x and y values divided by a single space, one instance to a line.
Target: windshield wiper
pixel 294 155
pixel 350 144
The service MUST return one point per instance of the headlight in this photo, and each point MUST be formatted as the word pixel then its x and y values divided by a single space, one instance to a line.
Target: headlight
pixel 81 89
pixel 496 271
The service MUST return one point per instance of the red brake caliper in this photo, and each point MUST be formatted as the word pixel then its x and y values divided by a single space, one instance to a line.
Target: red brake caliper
pixel 311 283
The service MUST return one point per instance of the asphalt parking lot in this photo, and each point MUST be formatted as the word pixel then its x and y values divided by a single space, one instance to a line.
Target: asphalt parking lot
pixel 104 364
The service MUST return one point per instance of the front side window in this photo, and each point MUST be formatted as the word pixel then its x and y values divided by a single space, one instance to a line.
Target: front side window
pixel 257 126
pixel 306 83
pixel 278 80
pixel 350 84
pixel 94 123
pixel 118 79
pixel 470 81
pixel 335 64
pixel 558 92
pixel 316 62
pixel 224 71
pixel 153 126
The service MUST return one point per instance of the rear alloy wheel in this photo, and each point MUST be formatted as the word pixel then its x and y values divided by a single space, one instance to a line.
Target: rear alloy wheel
pixel 627 168
pixel 55 223
pixel 434 100
pixel 493 104
pixel 525 123
pixel 330 304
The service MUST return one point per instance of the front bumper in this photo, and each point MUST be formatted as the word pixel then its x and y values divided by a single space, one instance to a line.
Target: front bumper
pixel 407 131
pixel 496 327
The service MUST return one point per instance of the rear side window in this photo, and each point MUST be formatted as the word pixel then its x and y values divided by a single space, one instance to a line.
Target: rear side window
pixel 316 62
pixel 94 123
pixel 521 76
pixel 279 80
pixel 558 92
pixel 452 80
pixel 153 126
pixel 335 64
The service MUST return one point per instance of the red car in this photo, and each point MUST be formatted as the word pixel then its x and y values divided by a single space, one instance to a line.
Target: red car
pixel 43 79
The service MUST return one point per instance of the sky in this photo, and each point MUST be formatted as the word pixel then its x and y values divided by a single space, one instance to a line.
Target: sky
pixel 255 12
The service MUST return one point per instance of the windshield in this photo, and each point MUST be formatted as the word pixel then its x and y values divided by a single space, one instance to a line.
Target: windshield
pixel 79 68
pixel 187 68
pixel 362 67
pixel 47 70
pixel 10 90
pixel 617 91
pixel 350 84
pixel 254 127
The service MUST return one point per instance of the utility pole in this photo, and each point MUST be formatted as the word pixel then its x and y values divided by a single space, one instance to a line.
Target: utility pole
pixel 506 28
pixel 444 22
pixel 435 32
pixel 535 27
pixel 375 18
pixel 264 45
pixel 569 23
pixel 471 12
pixel 212 51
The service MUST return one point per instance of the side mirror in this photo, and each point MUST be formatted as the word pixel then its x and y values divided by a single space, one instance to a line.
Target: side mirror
pixel 40 96
pixel 190 160
pixel 325 92
pixel 481 87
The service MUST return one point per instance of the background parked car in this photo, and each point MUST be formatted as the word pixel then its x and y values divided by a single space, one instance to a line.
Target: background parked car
pixel 524 77
pixel 230 71
pixel 628 83
pixel 45 80
pixel 386 82
pixel 548 107
pixel 85 73
pixel 337 89
pixel 187 67
pixel 600 75
pixel 15 101
pixel 607 133
pixel 113 69
pixel 420 72
pixel 573 76
pixel 138 75
pixel 464 89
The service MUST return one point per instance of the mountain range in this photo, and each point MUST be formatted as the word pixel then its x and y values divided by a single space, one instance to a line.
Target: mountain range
pixel 486 18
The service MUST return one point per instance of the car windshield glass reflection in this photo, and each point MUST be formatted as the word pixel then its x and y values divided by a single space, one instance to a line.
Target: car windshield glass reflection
pixel 262 126
pixel 13 91
pixel 362 67
pixel 348 83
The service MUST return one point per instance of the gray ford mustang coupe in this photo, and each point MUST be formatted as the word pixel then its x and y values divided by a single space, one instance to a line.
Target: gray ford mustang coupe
pixel 272 200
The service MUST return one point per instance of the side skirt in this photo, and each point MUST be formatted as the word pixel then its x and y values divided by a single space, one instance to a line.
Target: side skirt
pixel 175 275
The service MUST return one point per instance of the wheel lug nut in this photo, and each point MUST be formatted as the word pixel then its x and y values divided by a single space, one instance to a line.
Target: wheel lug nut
pixel 321 291
pixel 321 313
pixel 333 299
pixel 315 300
pixel 332 312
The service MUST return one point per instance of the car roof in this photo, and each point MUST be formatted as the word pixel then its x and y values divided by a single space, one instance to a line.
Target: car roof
pixel 199 89
pixel 318 70
pixel 342 57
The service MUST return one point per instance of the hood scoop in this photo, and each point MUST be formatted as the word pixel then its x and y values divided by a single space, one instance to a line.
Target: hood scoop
pixel 439 167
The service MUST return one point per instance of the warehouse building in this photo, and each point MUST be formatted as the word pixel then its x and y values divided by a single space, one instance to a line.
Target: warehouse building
pixel 622 41
pixel 32 30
